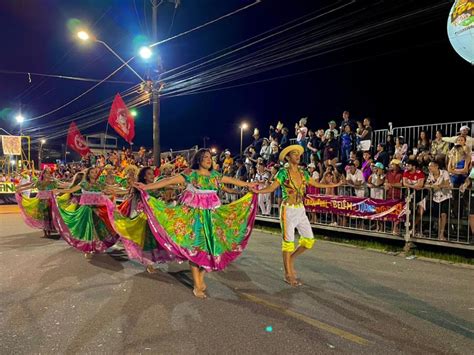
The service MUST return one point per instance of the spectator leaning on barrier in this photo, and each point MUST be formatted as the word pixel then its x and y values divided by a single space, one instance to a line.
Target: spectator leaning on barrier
pixel 355 179
pixel 393 180
pixel 438 180
pixel 376 182
pixel 414 179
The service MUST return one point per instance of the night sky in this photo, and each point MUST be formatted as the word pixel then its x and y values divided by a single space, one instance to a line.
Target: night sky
pixel 408 74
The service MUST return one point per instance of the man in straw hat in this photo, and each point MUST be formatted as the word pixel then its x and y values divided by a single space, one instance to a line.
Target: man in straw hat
pixel 293 181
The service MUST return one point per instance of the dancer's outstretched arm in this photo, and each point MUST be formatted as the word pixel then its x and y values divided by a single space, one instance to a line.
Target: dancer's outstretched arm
pixel 24 187
pixel 268 189
pixel 240 183
pixel 320 185
pixel 174 180
pixel 67 191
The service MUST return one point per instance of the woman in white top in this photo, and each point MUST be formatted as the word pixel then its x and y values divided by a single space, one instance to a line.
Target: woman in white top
pixel 440 184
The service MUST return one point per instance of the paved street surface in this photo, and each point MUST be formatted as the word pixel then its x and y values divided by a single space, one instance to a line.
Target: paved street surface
pixel 52 300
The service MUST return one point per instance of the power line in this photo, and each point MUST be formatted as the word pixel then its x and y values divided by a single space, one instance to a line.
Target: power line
pixel 66 77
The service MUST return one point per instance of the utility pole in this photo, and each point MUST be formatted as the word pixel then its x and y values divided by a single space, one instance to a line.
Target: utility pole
pixel 155 94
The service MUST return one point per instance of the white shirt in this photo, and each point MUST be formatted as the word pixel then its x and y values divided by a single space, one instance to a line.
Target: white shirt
pixel 358 178
pixel 443 194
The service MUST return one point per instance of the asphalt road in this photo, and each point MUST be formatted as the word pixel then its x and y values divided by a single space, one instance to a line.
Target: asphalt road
pixel 52 300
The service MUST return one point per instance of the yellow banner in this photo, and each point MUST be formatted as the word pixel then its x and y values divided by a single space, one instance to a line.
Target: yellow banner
pixel 7 188
pixel 11 145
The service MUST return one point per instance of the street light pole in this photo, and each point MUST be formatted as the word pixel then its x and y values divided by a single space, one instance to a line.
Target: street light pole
pixel 155 95
pixel 243 127
pixel 241 139
pixel 40 153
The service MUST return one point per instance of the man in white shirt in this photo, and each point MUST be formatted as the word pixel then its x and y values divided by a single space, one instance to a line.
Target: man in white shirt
pixel 463 131
pixel 355 178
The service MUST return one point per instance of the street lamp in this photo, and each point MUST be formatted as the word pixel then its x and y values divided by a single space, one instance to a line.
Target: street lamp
pixel 145 52
pixel 84 36
pixel 20 119
pixel 213 150
pixel 243 127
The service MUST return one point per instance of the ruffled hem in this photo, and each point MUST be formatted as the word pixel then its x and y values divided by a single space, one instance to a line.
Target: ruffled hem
pixel 30 221
pixel 149 257
pixel 92 246
pixel 202 258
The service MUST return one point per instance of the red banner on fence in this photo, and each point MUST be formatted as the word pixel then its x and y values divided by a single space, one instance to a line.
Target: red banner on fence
pixel 359 207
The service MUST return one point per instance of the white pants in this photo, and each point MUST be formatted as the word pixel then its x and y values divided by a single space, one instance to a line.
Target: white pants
pixel 265 204
pixel 294 218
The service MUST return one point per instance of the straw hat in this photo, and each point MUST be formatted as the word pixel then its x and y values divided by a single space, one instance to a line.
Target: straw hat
pixel 130 168
pixel 291 148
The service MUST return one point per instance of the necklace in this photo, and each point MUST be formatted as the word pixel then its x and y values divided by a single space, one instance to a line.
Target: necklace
pixel 300 190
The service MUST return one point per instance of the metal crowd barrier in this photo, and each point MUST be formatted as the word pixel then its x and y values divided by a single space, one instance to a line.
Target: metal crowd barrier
pixel 414 227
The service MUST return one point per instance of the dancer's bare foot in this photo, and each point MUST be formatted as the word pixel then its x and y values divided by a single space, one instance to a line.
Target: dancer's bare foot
pixel 88 256
pixel 151 270
pixel 292 281
pixel 199 293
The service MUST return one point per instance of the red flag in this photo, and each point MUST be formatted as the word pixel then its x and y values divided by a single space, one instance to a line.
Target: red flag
pixel 76 141
pixel 121 119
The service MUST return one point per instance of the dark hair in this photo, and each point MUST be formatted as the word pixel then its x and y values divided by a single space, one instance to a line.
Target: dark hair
pixel 413 162
pixel 401 140
pixel 87 172
pixel 77 179
pixel 440 131
pixel 142 173
pixel 197 158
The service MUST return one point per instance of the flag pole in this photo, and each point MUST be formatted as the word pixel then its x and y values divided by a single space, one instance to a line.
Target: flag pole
pixel 105 138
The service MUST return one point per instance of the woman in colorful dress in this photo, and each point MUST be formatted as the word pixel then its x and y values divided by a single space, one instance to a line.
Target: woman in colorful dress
pixel 36 211
pixel 87 227
pixel 132 226
pixel 200 229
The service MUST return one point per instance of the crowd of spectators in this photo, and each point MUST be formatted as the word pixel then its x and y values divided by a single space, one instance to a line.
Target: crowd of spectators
pixel 434 169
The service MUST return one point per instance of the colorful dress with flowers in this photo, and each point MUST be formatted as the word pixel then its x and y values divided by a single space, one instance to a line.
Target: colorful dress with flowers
pixel 36 211
pixel 131 223
pixel 200 229
pixel 86 226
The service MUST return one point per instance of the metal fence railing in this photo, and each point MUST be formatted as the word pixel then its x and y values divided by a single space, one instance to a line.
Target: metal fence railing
pixel 450 222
